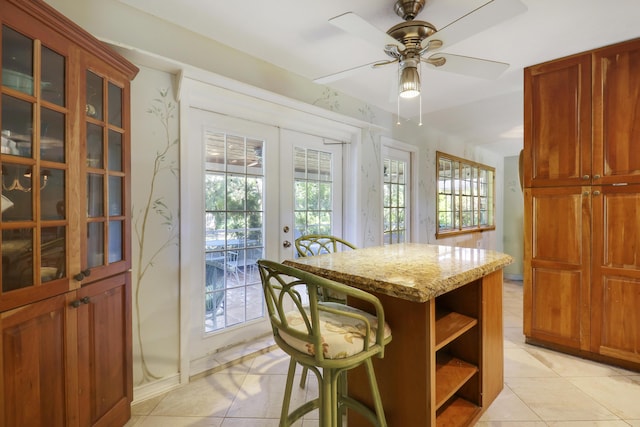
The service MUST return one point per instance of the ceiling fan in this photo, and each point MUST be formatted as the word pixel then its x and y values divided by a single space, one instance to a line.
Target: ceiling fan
pixel 413 42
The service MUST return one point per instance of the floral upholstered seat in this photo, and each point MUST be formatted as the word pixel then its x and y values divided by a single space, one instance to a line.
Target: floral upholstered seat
pixel 348 337
pixel 342 336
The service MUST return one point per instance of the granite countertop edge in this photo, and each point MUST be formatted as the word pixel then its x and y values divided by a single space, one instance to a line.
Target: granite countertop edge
pixel 416 294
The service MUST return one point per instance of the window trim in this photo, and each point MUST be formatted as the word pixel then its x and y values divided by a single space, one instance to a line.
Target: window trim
pixel 440 234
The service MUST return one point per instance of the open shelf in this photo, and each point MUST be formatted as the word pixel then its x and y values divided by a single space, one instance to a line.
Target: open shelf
pixel 450 325
pixel 451 374
pixel 457 412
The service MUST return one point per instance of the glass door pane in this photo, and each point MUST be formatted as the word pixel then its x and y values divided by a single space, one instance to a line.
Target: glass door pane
pixel 17 61
pixel 234 221
pixel 105 173
pixel 313 188
pixel 33 163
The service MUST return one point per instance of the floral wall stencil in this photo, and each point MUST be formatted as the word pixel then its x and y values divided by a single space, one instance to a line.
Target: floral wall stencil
pixel 370 168
pixel 155 230
pixel 154 204
pixel 329 100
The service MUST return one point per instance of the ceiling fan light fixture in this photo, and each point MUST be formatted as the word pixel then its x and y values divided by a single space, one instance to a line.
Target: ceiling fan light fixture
pixel 409 84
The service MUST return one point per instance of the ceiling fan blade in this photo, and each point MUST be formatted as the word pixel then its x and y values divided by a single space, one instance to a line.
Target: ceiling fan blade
pixel 354 24
pixel 487 15
pixel 343 74
pixel 465 65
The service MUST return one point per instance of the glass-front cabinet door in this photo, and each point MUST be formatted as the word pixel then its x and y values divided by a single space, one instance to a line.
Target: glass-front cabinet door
pixel 34 163
pixel 105 173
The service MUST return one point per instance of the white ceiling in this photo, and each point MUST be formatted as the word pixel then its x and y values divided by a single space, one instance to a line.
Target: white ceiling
pixel 295 35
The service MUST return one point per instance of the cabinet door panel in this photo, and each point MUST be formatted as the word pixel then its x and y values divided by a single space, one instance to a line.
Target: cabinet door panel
pixel 618 334
pixel 616 272
pixel 558 227
pixel 557 259
pixel 35 391
pixel 557 120
pixel 616 157
pixel 104 342
pixel 556 307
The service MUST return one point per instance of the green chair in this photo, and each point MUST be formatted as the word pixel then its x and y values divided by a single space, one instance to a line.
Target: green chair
pixel 347 336
pixel 316 244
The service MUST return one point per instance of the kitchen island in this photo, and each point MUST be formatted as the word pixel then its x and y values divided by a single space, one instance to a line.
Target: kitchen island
pixel 444 365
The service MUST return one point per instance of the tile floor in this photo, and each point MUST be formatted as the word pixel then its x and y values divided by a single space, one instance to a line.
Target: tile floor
pixel 542 388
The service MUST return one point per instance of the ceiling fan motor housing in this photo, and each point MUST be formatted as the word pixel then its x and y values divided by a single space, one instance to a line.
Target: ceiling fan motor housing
pixel 408 9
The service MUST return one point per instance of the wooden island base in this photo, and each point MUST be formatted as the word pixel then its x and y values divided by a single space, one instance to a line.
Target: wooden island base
pixel 444 366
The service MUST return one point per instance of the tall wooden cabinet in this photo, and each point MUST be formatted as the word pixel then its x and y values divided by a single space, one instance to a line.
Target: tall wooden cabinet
pixel 582 204
pixel 65 290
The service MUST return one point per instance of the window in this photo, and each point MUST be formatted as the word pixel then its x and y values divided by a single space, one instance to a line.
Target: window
pixel 394 203
pixel 465 196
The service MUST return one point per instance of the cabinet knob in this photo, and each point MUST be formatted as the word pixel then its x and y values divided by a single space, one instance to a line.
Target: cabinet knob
pixel 596 193
pixel 585 177
pixel 596 176
pixel 75 304
pixel 84 273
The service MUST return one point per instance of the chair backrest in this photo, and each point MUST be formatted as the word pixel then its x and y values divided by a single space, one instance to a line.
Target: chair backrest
pixel 232 259
pixel 316 244
pixel 284 288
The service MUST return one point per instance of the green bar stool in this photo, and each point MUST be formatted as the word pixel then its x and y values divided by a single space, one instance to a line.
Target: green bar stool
pixel 318 244
pixel 348 337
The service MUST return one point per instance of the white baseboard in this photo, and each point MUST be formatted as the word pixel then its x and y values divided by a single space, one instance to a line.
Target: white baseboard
pixel 155 388
pixel 205 366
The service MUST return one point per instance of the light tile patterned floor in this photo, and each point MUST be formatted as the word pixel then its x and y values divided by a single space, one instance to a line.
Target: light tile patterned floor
pixel 542 388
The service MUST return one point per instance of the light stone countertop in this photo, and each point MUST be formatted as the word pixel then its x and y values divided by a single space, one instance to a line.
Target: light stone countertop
pixel 411 271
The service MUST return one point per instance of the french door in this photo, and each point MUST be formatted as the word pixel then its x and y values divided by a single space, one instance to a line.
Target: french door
pixel 231 186
pixel 311 173
pixel 253 188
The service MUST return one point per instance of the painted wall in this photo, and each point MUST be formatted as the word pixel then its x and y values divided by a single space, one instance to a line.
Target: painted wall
pixel 159 49
pixel 513 224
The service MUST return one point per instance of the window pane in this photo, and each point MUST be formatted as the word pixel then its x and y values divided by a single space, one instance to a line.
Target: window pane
pixel 313 191
pixel 394 200
pixel 234 221
pixel 465 195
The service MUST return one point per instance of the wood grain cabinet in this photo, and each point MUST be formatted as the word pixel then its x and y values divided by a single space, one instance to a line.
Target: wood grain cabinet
pixel 581 116
pixel 65 304
pixel 582 201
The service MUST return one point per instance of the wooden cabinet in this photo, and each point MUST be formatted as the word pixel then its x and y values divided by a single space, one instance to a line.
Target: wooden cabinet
pixel 38 363
pixel 580 118
pixel 582 224
pixel 557 265
pixel 615 284
pixel 65 305
pixel 616 113
pixel 557 122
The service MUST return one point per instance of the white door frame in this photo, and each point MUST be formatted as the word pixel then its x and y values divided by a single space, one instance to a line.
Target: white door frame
pixel 200 89
pixel 412 180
